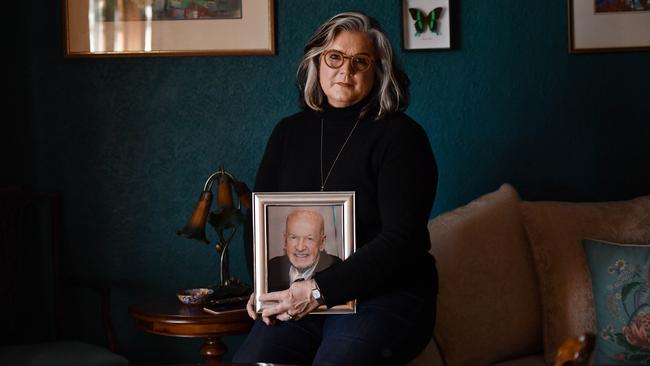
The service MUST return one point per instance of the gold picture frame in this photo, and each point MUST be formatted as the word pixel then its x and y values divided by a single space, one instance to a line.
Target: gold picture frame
pixel 270 211
pixel 140 28
pixel 594 28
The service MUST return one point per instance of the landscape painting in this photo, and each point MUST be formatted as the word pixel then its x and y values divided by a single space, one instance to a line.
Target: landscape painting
pixel 612 6
pixel 140 10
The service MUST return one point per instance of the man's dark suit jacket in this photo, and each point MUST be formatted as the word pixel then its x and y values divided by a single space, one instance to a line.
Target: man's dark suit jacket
pixel 279 269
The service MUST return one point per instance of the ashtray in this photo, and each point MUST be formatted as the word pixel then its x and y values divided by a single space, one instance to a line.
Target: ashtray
pixel 194 296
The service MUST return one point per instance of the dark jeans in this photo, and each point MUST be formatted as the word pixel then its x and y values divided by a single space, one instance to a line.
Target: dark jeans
pixel 390 329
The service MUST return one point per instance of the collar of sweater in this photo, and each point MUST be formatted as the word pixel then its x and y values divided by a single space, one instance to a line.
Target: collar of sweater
pixel 344 114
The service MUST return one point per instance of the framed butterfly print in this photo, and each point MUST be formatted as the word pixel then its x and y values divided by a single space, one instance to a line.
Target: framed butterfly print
pixel 426 25
pixel 608 26
pixel 116 28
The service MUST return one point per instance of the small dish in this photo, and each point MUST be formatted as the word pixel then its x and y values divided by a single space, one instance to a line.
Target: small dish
pixel 194 296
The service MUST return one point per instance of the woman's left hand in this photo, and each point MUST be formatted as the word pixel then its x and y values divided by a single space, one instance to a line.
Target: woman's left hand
pixel 291 304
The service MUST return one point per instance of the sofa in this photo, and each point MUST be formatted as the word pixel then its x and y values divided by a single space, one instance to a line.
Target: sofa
pixel 513 277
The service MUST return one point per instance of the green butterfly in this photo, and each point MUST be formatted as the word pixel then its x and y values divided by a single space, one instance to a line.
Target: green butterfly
pixel 422 20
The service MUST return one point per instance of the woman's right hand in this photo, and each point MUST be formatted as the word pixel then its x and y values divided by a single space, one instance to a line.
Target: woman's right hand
pixel 250 308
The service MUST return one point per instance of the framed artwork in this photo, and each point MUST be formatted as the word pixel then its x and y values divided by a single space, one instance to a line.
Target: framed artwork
pixel 114 28
pixel 609 25
pixel 426 25
pixel 296 235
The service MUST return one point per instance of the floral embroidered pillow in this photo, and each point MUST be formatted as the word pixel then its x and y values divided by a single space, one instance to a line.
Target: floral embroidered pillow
pixel 620 276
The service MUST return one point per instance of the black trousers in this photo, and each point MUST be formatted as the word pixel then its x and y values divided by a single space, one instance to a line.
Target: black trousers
pixel 390 329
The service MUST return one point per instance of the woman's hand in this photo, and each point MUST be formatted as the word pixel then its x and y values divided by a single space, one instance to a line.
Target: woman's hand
pixel 291 304
pixel 250 307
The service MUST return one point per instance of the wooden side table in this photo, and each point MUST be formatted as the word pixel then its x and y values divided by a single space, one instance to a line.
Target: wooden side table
pixel 167 316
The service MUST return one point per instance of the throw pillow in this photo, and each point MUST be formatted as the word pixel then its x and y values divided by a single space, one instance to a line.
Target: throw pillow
pixel 555 233
pixel 488 302
pixel 620 277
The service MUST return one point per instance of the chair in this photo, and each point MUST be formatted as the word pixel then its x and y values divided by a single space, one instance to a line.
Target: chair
pixel 33 288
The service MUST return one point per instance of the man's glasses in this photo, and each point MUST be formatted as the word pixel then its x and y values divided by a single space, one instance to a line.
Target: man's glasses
pixel 335 59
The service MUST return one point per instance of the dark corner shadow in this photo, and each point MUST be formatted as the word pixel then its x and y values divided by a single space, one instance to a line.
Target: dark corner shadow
pixel 456 38
pixel 276 30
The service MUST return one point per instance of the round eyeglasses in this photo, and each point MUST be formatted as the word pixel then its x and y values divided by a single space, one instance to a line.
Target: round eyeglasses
pixel 335 60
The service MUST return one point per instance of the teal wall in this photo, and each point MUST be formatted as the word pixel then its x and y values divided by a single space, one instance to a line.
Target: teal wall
pixel 130 141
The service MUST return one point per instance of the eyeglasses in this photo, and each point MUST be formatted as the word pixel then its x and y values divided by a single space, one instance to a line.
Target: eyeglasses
pixel 335 60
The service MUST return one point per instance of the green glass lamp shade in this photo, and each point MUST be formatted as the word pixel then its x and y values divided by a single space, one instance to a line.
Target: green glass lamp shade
pixel 226 218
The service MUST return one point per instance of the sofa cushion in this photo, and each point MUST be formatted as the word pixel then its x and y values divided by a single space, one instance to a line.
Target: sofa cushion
pixel 536 360
pixel 619 277
pixel 488 302
pixel 429 357
pixel 555 231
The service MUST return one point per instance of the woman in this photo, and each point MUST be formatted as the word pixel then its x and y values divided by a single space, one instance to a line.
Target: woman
pixel 352 136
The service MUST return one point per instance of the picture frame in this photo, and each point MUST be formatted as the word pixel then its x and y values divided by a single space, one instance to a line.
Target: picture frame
pixel 140 28
pixel 278 258
pixel 426 25
pixel 608 26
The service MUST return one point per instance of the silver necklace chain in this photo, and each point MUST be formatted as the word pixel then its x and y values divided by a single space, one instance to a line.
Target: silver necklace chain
pixel 323 181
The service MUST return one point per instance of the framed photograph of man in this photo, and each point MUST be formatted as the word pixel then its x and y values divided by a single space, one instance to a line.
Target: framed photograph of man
pixel 298 234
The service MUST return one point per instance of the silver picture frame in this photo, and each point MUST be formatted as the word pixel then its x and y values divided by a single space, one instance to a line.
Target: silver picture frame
pixel 270 210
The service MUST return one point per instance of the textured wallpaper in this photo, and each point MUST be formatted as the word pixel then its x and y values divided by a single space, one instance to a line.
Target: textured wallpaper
pixel 130 141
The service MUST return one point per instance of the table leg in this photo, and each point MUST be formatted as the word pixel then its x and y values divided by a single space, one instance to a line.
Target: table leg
pixel 212 349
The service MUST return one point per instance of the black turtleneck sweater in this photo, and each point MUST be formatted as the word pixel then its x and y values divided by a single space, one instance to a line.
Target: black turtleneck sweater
pixel 390 166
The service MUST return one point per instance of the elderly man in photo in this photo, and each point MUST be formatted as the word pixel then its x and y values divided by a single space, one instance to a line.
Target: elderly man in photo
pixel 304 250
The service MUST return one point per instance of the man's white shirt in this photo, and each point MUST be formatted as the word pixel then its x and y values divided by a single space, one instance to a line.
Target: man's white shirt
pixel 294 274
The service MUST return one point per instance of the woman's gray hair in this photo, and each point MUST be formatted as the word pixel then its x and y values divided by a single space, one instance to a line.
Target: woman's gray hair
pixel 390 91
